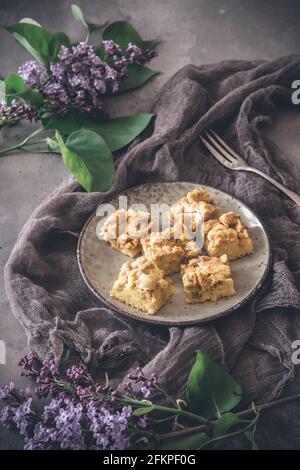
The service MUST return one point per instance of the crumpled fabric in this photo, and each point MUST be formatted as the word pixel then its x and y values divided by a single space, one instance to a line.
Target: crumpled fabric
pixel 62 317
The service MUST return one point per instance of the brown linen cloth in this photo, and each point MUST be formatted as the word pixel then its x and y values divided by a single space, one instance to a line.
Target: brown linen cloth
pixel 60 315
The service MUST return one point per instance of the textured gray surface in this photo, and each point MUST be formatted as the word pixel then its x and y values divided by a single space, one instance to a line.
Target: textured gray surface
pixel 197 31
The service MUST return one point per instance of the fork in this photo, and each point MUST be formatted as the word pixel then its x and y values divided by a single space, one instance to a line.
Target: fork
pixel 230 159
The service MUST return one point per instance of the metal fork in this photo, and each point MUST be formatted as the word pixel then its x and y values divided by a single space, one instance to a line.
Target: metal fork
pixel 230 159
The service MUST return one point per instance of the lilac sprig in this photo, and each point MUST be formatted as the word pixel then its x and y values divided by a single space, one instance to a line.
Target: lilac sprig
pixel 33 74
pixel 81 414
pixel 10 114
pixel 79 78
pixel 146 385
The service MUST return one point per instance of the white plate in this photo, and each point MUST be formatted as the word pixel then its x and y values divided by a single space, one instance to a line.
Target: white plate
pixel 100 264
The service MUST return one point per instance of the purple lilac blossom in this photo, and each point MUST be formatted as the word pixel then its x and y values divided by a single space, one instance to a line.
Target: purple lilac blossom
pixel 68 426
pixel 33 74
pixel 7 392
pixel 80 78
pixel 76 418
pixel 23 417
pixel 146 385
pixel 109 428
pixel 7 416
pixel 16 111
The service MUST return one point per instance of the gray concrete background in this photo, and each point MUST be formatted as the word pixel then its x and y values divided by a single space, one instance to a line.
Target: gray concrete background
pixel 193 31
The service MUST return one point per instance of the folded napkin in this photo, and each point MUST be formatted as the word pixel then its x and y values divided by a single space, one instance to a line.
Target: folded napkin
pixel 62 317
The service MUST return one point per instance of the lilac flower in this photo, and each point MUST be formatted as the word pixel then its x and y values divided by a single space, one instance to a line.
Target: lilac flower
pixel 147 385
pixel 80 415
pixel 30 365
pixel 78 374
pixel 109 428
pixel 80 78
pixel 7 392
pixel 69 430
pixel 51 411
pixel 111 48
pixel 33 74
pixel 45 379
pixel 40 439
pixel 20 416
pixel 25 394
pixel 23 416
pixel 7 416
pixel 17 111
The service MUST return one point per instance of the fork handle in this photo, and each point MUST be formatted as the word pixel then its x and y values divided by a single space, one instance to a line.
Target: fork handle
pixel 295 197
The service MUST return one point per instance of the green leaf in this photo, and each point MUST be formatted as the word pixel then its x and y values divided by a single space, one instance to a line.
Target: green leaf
pixel 143 410
pixel 78 15
pixel 225 423
pixel 15 88
pixel 97 27
pixel 211 391
pixel 88 158
pixel 136 77
pixel 52 145
pixel 123 32
pixel 64 124
pixel 191 442
pixel 100 51
pixel 39 42
pixel 31 96
pixel 63 39
pixel 14 84
pixel 29 21
pixel 120 131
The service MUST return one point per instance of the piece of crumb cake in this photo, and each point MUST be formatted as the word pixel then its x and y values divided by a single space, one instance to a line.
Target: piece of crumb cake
pixel 164 250
pixel 227 236
pixel 206 278
pixel 195 202
pixel 123 230
pixel 142 285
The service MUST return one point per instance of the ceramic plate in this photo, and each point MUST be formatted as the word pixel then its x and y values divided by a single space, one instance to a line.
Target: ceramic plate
pixel 100 264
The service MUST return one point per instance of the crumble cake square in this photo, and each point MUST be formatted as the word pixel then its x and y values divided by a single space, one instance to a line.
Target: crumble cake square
pixel 165 250
pixel 123 230
pixel 142 285
pixel 227 236
pixel 196 202
pixel 206 278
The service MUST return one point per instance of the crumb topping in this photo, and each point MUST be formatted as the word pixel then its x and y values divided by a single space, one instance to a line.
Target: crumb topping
pixel 195 202
pixel 165 242
pixel 197 195
pixel 227 229
pixel 127 227
pixel 141 274
pixel 206 272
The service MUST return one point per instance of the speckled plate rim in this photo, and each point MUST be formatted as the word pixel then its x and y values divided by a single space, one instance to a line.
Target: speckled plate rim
pixel 152 320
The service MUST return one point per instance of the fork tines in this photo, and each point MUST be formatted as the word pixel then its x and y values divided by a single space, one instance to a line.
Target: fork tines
pixel 219 149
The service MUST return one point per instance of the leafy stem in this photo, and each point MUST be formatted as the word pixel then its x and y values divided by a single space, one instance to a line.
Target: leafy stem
pixel 23 143
pixel 180 412
pixel 232 434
